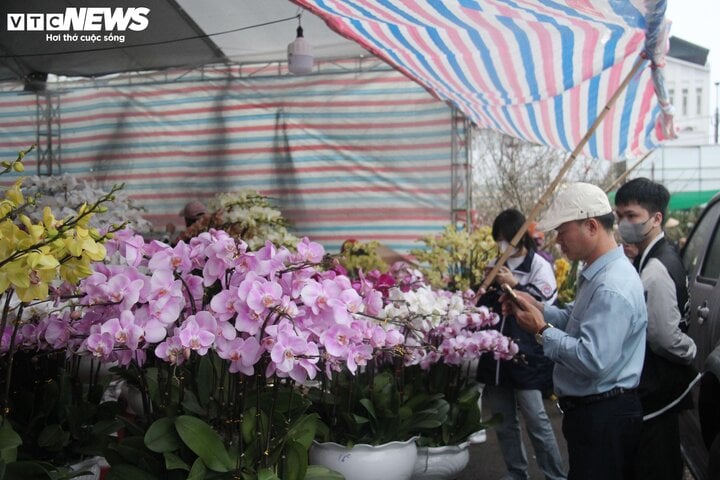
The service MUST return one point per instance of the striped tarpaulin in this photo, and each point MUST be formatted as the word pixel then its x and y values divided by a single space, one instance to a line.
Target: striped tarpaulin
pixel 539 70
pixel 343 155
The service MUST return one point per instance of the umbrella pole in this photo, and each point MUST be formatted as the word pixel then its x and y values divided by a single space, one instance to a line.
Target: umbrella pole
pixel 561 174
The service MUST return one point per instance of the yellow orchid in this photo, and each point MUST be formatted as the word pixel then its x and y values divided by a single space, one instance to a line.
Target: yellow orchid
pixel 456 258
pixel 36 232
pixel 14 194
pixel 81 242
pixel 75 269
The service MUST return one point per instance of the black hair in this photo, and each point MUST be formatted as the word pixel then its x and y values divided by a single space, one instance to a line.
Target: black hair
pixel 650 195
pixel 507 224
pixel 607 220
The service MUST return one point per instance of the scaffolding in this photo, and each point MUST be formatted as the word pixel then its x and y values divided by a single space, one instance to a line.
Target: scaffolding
pixel 461 172
pixel 49 133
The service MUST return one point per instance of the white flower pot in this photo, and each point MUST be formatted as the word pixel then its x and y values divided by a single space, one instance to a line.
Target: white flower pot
pixel 445 463
pixel 441 463
pixel 394 460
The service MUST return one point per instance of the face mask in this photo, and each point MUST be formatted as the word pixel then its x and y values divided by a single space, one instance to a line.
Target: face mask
pixel 633 232
pixel 504 245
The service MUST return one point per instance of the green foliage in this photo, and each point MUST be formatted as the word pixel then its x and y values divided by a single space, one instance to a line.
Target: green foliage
pixel 462 395
pixel 375 408
pixel 203 422
pixel 58 418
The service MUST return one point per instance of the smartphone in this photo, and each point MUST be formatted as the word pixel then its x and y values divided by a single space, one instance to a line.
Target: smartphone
pixel 508 289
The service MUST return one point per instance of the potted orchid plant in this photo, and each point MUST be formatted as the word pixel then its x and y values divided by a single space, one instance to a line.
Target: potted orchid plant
pixel 419 388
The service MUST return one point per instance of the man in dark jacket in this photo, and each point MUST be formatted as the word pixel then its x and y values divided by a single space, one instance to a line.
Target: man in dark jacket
pixel 641 207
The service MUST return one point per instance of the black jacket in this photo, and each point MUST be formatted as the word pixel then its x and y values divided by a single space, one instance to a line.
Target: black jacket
pixel 530 370
pixel 664 384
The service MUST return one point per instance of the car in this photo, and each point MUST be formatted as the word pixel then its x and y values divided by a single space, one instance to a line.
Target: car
pixel 700 427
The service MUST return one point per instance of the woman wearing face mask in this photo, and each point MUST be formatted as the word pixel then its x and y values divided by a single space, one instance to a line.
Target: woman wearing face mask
pixel 519 385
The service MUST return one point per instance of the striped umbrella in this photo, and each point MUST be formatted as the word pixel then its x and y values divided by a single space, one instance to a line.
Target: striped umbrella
pixel 539 70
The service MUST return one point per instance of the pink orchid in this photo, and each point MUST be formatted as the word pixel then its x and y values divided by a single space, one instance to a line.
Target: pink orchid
pixel 226 303
pixel 172 351
pixel 100 345
pixel 308 251
pixel 338 339
pixel 358 355
pixel 264 295
pixel 242 353
pixel 124 330
pixel 195 337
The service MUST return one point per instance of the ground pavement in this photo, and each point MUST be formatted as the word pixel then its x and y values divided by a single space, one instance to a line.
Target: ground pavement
pixel 486 462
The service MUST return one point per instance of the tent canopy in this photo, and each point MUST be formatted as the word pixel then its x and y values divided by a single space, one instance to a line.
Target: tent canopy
pixel 539 70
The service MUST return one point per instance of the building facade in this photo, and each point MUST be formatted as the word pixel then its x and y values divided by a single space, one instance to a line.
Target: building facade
pixel 688 166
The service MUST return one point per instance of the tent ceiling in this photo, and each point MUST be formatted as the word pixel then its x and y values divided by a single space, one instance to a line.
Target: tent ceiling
pixel 159 45
pixel 24 52
pixel 267 43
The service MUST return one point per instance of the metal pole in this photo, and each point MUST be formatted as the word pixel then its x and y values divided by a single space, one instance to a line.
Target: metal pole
pixel 717 112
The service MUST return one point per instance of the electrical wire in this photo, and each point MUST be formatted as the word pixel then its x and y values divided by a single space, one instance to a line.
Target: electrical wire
pixel 162 42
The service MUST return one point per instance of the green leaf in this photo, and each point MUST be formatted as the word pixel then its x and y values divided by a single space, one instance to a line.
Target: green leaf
pixel 53 437
pixel 267 474
pixel 304 429
pixel 132 450
pixel 162 437
pixel 9 442
pixel 198 470
pixel 173 462
pixel 204 442
pixel 296 456
pixel 191 404
pixel 365 402
pixel 360 420
pixel 248 424
pixel 319 472
pixel 151 380
pixel 125 471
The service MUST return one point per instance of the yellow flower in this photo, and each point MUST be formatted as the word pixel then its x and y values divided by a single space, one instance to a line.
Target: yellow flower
pixel 14 194
pixel 75 269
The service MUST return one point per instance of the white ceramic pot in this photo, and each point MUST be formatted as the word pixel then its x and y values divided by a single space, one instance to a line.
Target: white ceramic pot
pixel 394 460
pixel 444 463
pixel 441 463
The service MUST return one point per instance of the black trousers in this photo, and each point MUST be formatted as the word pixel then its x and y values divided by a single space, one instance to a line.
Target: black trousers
pixel 658 454
pixel 602 438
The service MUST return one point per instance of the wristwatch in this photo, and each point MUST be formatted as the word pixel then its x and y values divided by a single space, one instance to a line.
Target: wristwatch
pixel 538 335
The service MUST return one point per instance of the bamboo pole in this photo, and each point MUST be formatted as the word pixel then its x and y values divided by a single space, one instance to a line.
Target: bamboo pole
pixel 561 174
pixel 627 172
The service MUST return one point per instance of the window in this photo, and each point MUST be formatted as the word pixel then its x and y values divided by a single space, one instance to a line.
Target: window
pixel 684 101
pixel 698 93
pixel 671 96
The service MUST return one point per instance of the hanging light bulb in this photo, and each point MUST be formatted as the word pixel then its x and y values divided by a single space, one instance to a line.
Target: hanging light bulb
pixel 300 57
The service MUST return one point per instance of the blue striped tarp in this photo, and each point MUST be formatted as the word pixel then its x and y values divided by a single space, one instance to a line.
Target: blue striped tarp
pixel 539 70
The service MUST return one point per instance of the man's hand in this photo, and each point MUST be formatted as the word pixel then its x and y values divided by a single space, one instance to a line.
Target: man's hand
pixel 526 309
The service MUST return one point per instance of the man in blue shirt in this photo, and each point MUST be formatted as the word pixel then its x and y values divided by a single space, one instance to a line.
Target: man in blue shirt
pixel 597 343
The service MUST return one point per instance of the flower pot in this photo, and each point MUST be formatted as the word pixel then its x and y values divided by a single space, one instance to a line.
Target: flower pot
pixel 441 463
pixel 394 460
pixel 444 463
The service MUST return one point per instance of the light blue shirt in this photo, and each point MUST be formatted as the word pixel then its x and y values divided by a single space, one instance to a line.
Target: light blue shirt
pixel 598 342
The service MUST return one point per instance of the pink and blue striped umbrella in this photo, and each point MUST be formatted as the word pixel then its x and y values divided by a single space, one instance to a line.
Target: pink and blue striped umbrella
pixel 539 70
